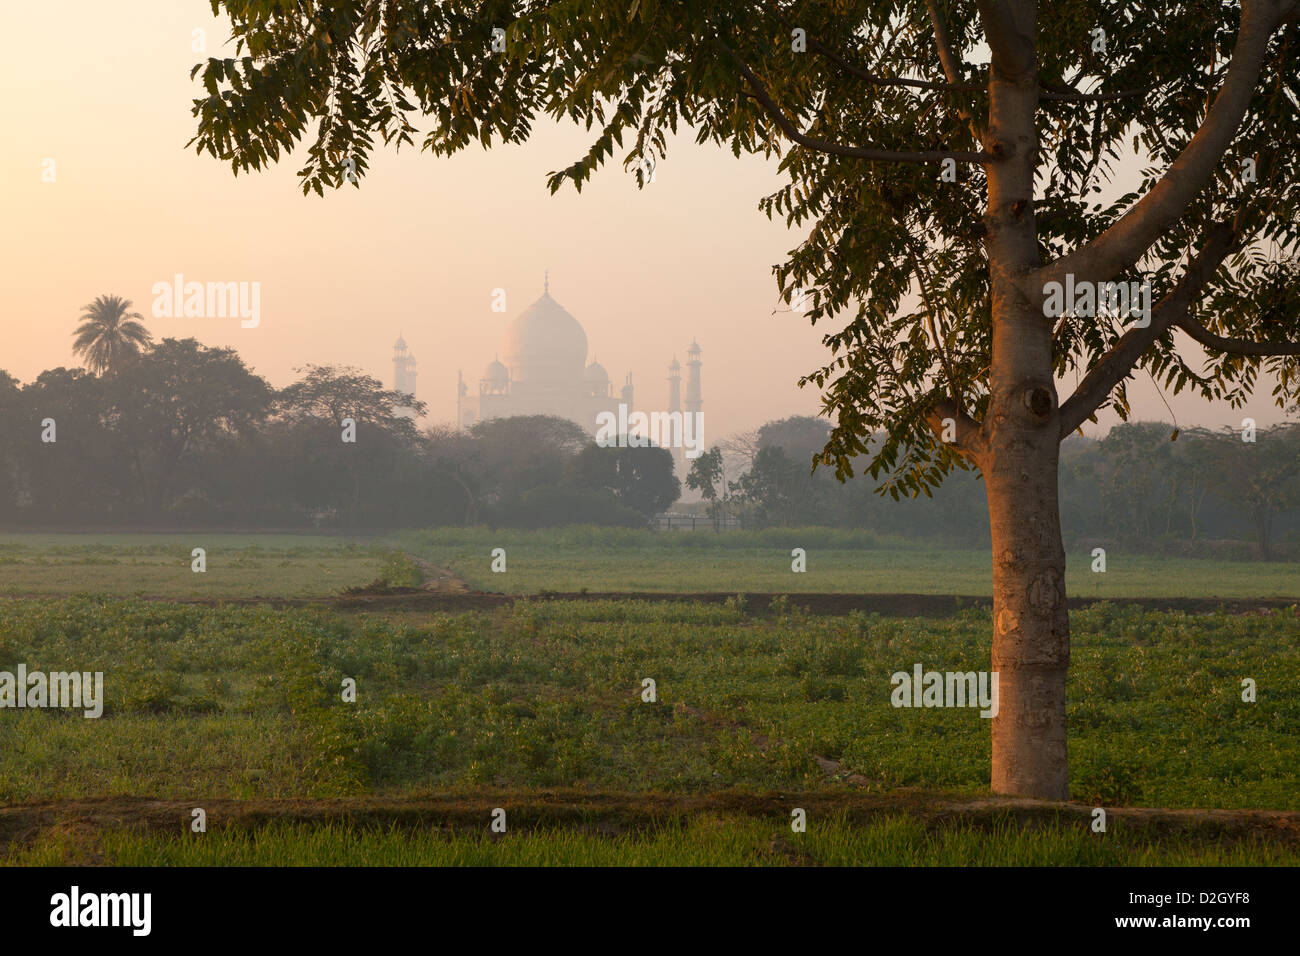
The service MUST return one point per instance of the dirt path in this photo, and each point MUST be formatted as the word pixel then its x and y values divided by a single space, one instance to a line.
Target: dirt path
pixel 443 590
pixel 437 579
pixel 458 596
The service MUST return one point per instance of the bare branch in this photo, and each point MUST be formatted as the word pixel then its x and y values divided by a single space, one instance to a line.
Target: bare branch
pixel 1121 245
pixel 759 92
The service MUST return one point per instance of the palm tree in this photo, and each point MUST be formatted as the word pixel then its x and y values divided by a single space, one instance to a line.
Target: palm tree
pixel 109 333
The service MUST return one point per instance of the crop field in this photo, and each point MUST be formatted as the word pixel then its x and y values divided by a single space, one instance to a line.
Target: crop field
pixel 160 565
pixel 601 560
pixel 241 706
pixel 249 566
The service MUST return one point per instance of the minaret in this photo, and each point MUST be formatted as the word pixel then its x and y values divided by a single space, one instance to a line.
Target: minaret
pixel 627 393
pixel 694 399
pixel 461 390
pixel 678 450
pixel 674 386
pixel 404 373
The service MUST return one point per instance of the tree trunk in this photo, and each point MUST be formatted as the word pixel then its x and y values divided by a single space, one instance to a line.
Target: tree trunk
pixel 1021 437
pixel 1031 637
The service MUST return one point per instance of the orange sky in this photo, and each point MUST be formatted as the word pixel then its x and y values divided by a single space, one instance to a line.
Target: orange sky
pixel 104 90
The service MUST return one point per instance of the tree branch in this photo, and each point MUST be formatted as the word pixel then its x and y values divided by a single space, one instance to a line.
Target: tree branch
pixel 1124 242
pixel 969 440
pixel 952 86
pixel 951 63
pixel 1050 92
pixel 1235 346
pixel 940 346
pixel 1013 52
pixel 759 92
pixel 1119 361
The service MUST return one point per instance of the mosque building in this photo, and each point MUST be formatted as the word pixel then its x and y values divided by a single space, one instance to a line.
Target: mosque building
pixel 542 369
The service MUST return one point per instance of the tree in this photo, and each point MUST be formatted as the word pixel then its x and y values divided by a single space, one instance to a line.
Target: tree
pixel 108 333
pixel 172 410
pixel 802 437
pixel 70 478
pixel 12 461
pixel 1192 473
pixel 320 405
pixel 451 450
pixel 1261 476
pixel 738 451
pixel 949 205
pixel 779 490
pixel 639 478
pixel 1138 482
pixel 511 456
pixel 705 476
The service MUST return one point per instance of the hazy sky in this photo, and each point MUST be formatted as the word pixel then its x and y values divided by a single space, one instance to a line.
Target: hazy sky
pixel 103 90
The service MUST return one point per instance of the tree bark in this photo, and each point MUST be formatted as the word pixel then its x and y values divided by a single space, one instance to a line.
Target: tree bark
pixel 1031 630
pixel 1021 435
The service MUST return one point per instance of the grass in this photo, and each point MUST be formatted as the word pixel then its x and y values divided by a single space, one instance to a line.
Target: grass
pixel 708 840
pixel 572 559
pixel 245 702
pixel 242 702
pixel 160 565
pixel 597 559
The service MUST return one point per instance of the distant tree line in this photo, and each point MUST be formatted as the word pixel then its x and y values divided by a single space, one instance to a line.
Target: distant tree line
pixel 176 434
pixel 1144 486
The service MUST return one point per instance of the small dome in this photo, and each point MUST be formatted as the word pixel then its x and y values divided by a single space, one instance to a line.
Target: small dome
pixel 496 373
pixel 595 374
pixel 400 343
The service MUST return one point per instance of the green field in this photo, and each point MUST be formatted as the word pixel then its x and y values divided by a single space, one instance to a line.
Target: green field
pixel 571 559
pixel 248 566
pixel 159 565
pixel 211 702
pixel 245 702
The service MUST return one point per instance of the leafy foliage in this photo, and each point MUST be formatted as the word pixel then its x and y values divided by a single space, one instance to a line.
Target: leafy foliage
pixel 893 261
pixel 109 334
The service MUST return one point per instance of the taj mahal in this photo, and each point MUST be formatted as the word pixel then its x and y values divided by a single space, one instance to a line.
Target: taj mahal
pixel 543 369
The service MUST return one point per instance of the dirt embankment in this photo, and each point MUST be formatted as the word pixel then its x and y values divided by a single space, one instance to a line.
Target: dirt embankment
pixel 895 605
pixel 613 813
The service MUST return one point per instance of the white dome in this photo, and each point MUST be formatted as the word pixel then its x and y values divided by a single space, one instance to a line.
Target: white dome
pixel 496 373
pixel 596 374
pixel 545 342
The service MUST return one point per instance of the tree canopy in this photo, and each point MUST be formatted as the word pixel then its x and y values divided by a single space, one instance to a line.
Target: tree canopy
pixel 863 103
